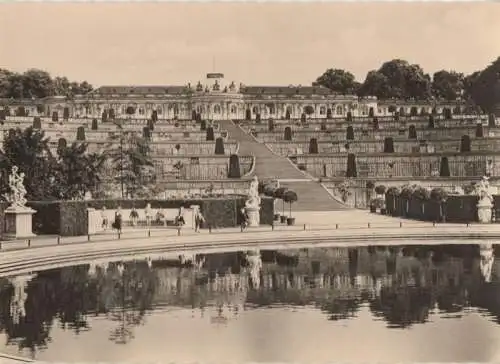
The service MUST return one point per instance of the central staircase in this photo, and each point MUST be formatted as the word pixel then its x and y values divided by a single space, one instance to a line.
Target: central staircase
pixel 311 195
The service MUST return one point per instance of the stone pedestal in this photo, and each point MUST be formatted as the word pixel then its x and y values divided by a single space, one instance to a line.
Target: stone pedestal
pixel 18 222
pixel 484 211
pixel 253 216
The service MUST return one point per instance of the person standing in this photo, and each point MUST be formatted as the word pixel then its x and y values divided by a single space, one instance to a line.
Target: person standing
pixel 149 214
pixel 180 217
pixel 105 221
pixel 198 221
pixel 134 216
pixel 243 218
pixel 118 220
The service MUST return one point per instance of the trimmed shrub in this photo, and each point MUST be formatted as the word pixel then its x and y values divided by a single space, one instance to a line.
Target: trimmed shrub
pixel 151 125
pixel 431 123
pixel 447 113
pixel 388 145
pixel 95 126
pixel 66 113
pixel 37 122
pixel 491 120
pixel 370 185
pixel 257 118
pixel 465 144
pixel 234 166
pixel 203 125
pixel 55 116
pixel 270 125
pixel 380 189
pixel 412 132
pixel 210 133
pixel 2 115
pixel 248 115
pixel 288 133
pixel 80 133
pixel 352 170
pixel 219 146
pixel 146 133
pixel 313 146
pixel 350 133
pixel 104 116
pixel 479 130
pixel 444 167
pixel 349 116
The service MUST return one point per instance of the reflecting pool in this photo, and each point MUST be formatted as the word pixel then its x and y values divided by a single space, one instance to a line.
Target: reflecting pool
pixel 359 304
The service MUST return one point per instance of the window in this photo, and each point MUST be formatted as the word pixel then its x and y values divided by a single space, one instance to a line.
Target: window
pixel 217 109
pixel 322 110
pixel 255 110
pixel 340 110
pixel 159 111
pixel 141 111
pixel 233 109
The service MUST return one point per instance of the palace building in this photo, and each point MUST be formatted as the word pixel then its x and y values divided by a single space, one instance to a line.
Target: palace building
pixel 217 99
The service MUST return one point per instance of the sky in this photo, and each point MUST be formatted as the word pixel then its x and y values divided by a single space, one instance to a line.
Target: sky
pixel 253 43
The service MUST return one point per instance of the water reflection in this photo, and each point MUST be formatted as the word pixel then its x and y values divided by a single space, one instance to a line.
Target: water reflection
pixel 401 286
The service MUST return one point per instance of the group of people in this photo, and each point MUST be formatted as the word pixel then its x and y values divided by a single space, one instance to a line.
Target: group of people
pixel 160 218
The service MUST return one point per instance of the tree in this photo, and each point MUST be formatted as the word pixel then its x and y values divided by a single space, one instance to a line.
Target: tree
pixel 29 150
pixel 397 79
pixel 35 83
pixel 309 110
pixel 484 87
pixel 78 172
pixel 338 80
pixel 447 85
pixel 132 163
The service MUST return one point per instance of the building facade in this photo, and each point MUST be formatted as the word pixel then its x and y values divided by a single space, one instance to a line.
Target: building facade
pixel 216 99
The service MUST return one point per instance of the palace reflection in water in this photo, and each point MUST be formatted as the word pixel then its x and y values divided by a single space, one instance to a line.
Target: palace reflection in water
pixel 309 304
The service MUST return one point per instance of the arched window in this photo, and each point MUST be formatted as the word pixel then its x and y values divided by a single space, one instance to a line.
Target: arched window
pixel 198 109
pixel 255 110
pixel 233 109
pixel 141 111
pixel 159 110
pixel 217 109
pixel 339 110
pixel 289 109
pixel 124 109
pixel 322 110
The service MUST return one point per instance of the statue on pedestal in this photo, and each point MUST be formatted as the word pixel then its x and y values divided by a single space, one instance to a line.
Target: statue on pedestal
pixel 485 204
pixel 252 205
pixel 18 216
pixel 17 194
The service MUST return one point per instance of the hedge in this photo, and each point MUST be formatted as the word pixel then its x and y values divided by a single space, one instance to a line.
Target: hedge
pixel 65 218
pixel 70 218
pixel 456 209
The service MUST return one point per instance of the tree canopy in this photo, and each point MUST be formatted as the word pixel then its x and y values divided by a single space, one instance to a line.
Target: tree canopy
pixel 399 79
pixel 338 80
pixel 35 83
pixel 65 176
